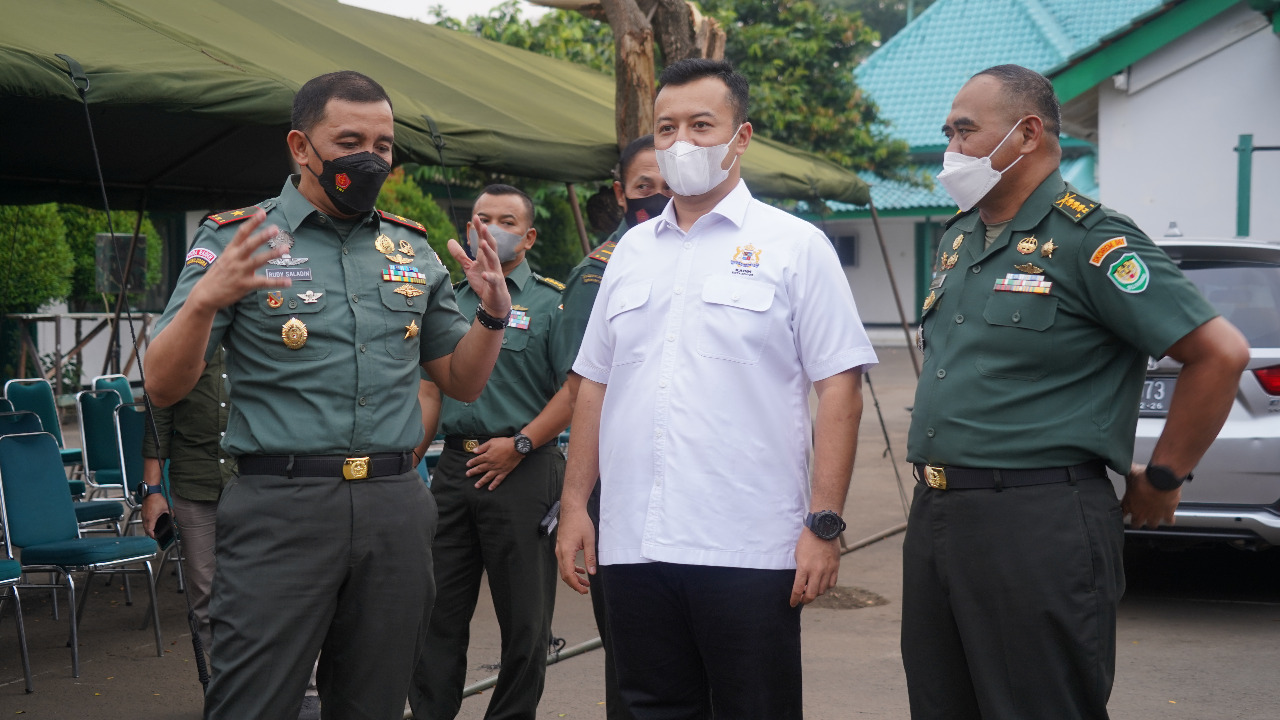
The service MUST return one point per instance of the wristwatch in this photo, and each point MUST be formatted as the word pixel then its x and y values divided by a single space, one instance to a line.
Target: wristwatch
pixel 524 445
pixel 1163 478
pixel 144 490
pixel 826 524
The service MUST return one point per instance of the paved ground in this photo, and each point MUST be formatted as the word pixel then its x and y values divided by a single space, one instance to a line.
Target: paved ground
pixel 1199 631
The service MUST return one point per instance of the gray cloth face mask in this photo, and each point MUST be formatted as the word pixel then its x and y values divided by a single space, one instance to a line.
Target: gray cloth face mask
pixel 506 242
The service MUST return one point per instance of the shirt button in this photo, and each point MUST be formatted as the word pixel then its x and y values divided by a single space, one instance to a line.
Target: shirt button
pixel 504 341
pixel 671 337
pixel 222 404
pixel 679 289
pixel 662 383
pixel 942 374
pixel 293 304
pixel 364 348
pixel 409 301
pixel 355 297
pixel 363 402
pixel 222 460
pixel 657 433
pixel 1017 317
pixel 929 432
pixel 959 319
pixel 736 296
pixel 688 246
pixel 344 249
pixel 222 434
pixel 976 269
pixel 322 219
pixel 224 376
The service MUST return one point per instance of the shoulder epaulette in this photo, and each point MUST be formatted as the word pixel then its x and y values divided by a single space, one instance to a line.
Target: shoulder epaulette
pixel 559 286
pixel 230 216
pixel 1074 205
pixel 403 221
pixel 603 252
pixel 954 218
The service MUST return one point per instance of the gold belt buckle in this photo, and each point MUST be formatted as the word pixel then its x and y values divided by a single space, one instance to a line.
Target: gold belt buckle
pixel 470 445
pixel 935 477
pixel 356 468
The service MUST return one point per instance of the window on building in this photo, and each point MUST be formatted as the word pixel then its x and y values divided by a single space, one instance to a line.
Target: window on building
pixel 847 249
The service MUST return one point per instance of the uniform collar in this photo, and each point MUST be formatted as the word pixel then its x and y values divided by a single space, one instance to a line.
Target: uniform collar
pixel 732 208
pixel 297 208
pixel 520 275
pixel 1038 203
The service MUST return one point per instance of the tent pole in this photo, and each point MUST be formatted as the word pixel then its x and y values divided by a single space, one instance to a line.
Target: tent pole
pixel 893 285
pixel 577 219
pixel 113 350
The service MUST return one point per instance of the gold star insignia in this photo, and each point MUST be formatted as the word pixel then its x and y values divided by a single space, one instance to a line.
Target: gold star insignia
pixel 411 330
pixel 238 213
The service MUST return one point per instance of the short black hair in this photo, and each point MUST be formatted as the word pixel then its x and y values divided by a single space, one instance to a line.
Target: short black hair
pixel 629 153
pixel 686 71
pixel 500 189
pixel 603 213
pixel 349 85
pixel 1029 93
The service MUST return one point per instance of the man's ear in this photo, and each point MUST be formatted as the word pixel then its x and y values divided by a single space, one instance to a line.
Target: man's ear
pixel 740 143
pixel 299 147
pixel 529 239
pixel 1032 133
pixel 620 194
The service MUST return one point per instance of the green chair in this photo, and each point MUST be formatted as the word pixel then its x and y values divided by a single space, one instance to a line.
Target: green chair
pixel 119 383
pixel 102 469
pixel 38 519
pixel 36 395
pixel 5 405
pixel 10 574
pixel 13 423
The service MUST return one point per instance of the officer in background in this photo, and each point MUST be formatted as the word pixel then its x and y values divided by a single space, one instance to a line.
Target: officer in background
pixel 1042 312
pixel 642 193
pixel 498 477
pixel 324 538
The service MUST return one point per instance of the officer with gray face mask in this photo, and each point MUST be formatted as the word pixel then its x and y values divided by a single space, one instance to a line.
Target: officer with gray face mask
pixel 498 477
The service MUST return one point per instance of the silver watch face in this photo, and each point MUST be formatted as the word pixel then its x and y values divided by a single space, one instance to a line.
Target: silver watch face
pixel 523 444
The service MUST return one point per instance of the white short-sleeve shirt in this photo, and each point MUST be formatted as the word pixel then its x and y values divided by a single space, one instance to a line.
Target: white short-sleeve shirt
pixel 709 342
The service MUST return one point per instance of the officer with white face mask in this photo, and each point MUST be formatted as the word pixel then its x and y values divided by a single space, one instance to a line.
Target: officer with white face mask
pixel 712 323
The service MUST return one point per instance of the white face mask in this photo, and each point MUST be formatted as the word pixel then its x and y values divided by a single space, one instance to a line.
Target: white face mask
pixel 968 179
pixel 693 169
pixel 506 242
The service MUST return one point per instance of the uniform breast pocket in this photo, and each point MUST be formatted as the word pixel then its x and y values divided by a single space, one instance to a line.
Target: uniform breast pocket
pixel 1022 340
pixel 735 323
pixel 628 316
pixel 291 326
pixel 404 321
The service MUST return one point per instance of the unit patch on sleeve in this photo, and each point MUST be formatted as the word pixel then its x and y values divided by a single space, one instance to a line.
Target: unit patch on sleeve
pixel 1105 248
pixel 1130 273
pixel 203 257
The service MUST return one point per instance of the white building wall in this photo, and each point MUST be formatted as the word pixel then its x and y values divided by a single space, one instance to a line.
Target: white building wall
pixel 1165 142
pixel 869 280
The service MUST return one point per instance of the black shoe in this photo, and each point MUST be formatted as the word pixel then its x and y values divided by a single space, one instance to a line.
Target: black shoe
pixel 310 708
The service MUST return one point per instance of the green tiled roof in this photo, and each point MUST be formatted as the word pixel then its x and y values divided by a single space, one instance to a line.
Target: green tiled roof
pixel 890 195
pixel 914 77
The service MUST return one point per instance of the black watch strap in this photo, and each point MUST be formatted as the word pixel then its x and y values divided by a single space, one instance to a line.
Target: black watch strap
pixel 523 444
pixel 489 321
pixel 826 524
pixel 1163 478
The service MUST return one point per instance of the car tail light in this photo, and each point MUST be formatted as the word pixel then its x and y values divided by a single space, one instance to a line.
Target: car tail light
pixel 1269 379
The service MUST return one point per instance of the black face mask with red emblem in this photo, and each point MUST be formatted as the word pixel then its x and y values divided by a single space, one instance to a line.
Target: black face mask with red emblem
pixel 353 181
pixel 641 209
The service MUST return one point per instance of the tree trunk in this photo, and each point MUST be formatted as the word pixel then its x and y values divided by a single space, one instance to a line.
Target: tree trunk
pixel 683 32
pixel 633 69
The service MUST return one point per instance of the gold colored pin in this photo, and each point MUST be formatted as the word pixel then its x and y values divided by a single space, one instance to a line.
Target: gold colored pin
pixel 294 334
pixel 406 248
pixel 928 302
pixel 399 259
pixel 408 291
pixel 955 244
pixel 1027 245
pixel 411 330
pixel 384 245
pixel 1029 269
pixel 949 261
pixel 1047 250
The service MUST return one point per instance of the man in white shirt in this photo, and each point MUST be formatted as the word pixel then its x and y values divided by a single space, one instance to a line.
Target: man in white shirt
pixel 712 323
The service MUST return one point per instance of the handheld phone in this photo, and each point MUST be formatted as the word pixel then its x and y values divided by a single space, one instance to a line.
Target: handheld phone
pixel 550 520
pixel 164 531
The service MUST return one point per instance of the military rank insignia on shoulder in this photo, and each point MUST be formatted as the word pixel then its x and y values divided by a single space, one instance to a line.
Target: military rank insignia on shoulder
pixel 604 252
pixel 1074 205
pixel 397 219
pixel 559 286
pixel 230 216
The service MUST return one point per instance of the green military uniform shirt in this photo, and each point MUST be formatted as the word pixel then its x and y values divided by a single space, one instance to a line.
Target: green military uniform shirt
pixel 330 365
pixel 1035 348
pixel 529 369
pixel 580 296
pixel 190 436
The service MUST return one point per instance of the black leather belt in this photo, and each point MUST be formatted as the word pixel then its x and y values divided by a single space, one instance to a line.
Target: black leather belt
pixel 352 468
pixel 947 477
pixel 465 444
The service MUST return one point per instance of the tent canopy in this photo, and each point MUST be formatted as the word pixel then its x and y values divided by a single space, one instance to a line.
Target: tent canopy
pixel 191 100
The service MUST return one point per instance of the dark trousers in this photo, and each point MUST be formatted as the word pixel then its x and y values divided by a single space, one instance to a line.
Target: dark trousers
pixel 614 707
pixel 695 641
pixel 494 532
pixel 311 564
pixel 1009 601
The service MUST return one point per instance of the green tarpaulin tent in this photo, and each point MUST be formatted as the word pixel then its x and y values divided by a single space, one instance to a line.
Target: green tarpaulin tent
pixel 190 101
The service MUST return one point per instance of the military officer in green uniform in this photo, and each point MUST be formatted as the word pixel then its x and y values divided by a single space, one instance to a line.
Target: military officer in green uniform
pixel 323 539
pixel 498 477
pixel 1043 309
pixel 643 194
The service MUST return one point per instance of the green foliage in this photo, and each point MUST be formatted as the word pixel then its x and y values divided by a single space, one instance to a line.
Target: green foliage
pixel 37 262
pixel 563 34
pixel 558 247
pixel 83 225
pixel 400 195
pixel 886 17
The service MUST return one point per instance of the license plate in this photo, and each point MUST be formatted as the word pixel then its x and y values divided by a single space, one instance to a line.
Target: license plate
pixel 1157 392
